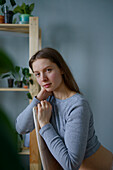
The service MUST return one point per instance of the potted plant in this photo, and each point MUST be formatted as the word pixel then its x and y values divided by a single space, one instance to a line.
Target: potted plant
pixel 18 76
pixel 25 11
pixel 10 79
pixel 27 80
pixel 26 77
pixel 8 14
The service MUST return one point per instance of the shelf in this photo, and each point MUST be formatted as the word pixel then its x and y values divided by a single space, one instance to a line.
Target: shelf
pixel 13 89
pixel 21 28
pixel 25 151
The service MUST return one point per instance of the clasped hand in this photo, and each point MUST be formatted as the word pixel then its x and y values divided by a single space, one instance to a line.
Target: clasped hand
pixel 44 107
pixel 44 112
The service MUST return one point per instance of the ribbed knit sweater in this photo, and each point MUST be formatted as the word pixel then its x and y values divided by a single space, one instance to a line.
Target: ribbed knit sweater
pixel 70 135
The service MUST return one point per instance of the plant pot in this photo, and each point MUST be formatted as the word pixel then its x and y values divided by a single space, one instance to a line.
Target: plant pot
pixel 8 17
pixel 10 82
pixel 19 83
pixel 25 86
pixel 1 19
pixel 24 19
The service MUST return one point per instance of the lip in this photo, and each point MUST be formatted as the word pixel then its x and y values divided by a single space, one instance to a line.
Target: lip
pixel 47 85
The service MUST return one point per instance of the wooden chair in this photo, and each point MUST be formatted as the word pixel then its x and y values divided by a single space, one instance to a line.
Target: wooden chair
pixel 48 161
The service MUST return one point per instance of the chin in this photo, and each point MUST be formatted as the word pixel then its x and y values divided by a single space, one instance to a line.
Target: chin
pixel 48 90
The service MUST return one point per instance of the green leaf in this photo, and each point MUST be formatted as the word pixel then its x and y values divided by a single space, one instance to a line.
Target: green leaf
pixel 29 96
pixel 16 82
pixel 2 2
pixel 14 20
pixel 5 119
pixel 24 9
pixel 23 6
pixel 8 141
pixel 31 81
pixel 29 75
pixel 18 73
pixel 17 69
pixel 27 9
pixel 31 7
pixel 25 71
pixel 6 64
pixel 18 10
pixel 6 75
pixel 13 3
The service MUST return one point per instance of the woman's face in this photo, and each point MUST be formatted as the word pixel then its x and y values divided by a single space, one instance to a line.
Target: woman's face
pixel 48 74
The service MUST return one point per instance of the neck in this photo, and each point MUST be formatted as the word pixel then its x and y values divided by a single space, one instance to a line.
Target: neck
pixel 63 92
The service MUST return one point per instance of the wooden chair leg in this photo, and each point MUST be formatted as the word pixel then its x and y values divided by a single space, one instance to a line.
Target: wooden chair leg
pixel 35 161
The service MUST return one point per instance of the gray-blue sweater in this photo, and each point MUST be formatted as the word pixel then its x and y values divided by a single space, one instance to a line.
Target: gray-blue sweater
pixel 70 135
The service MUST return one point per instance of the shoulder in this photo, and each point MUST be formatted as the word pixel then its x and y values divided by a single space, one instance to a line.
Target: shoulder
pixel 78 106
pixel 77 100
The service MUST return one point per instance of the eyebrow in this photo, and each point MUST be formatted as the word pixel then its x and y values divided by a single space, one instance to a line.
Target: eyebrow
pixel 44 68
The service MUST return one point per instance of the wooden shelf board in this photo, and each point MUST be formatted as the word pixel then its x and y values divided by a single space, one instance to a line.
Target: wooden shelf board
pixel 25 151
pixel 21 28
pixel 13 89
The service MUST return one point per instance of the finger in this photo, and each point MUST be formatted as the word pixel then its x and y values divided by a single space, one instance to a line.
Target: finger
pixel 42 104
pixel 48 105
pixel 39 106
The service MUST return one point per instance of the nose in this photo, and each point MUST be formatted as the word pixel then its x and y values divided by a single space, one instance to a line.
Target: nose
pixel 43 77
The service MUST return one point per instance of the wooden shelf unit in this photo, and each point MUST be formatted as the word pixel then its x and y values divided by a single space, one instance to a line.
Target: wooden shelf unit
pixel 13 89
pixel 32 29
pixel 21 28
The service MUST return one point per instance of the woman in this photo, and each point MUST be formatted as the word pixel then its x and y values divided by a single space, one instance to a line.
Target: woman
pixel 64 116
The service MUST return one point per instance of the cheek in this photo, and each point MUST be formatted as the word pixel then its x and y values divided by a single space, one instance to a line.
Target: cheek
pixel 56 77
pixel 53 76
pixel 39 81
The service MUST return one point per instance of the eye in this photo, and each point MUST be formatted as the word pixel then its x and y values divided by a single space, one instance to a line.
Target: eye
pixel 49 70
pixel 37 74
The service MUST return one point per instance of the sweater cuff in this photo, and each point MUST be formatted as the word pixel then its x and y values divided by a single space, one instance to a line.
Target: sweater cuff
pixel 35 101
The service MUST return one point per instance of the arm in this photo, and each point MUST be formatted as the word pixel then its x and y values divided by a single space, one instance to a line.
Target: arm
pixel 70 152
pixel 24 122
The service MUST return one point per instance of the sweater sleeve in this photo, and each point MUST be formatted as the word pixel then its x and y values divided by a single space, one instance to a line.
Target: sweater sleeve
pixel 25 122
pixel 70 152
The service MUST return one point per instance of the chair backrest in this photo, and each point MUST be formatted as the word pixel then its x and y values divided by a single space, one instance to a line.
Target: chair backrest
pixel 47 159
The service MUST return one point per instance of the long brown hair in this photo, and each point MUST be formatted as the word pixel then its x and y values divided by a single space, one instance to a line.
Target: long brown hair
pixel 55 57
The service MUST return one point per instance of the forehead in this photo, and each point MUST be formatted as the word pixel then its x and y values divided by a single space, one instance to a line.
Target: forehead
pixel 41 64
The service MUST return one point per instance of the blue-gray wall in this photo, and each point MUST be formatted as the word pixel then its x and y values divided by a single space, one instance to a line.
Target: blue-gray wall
pixel 82 31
